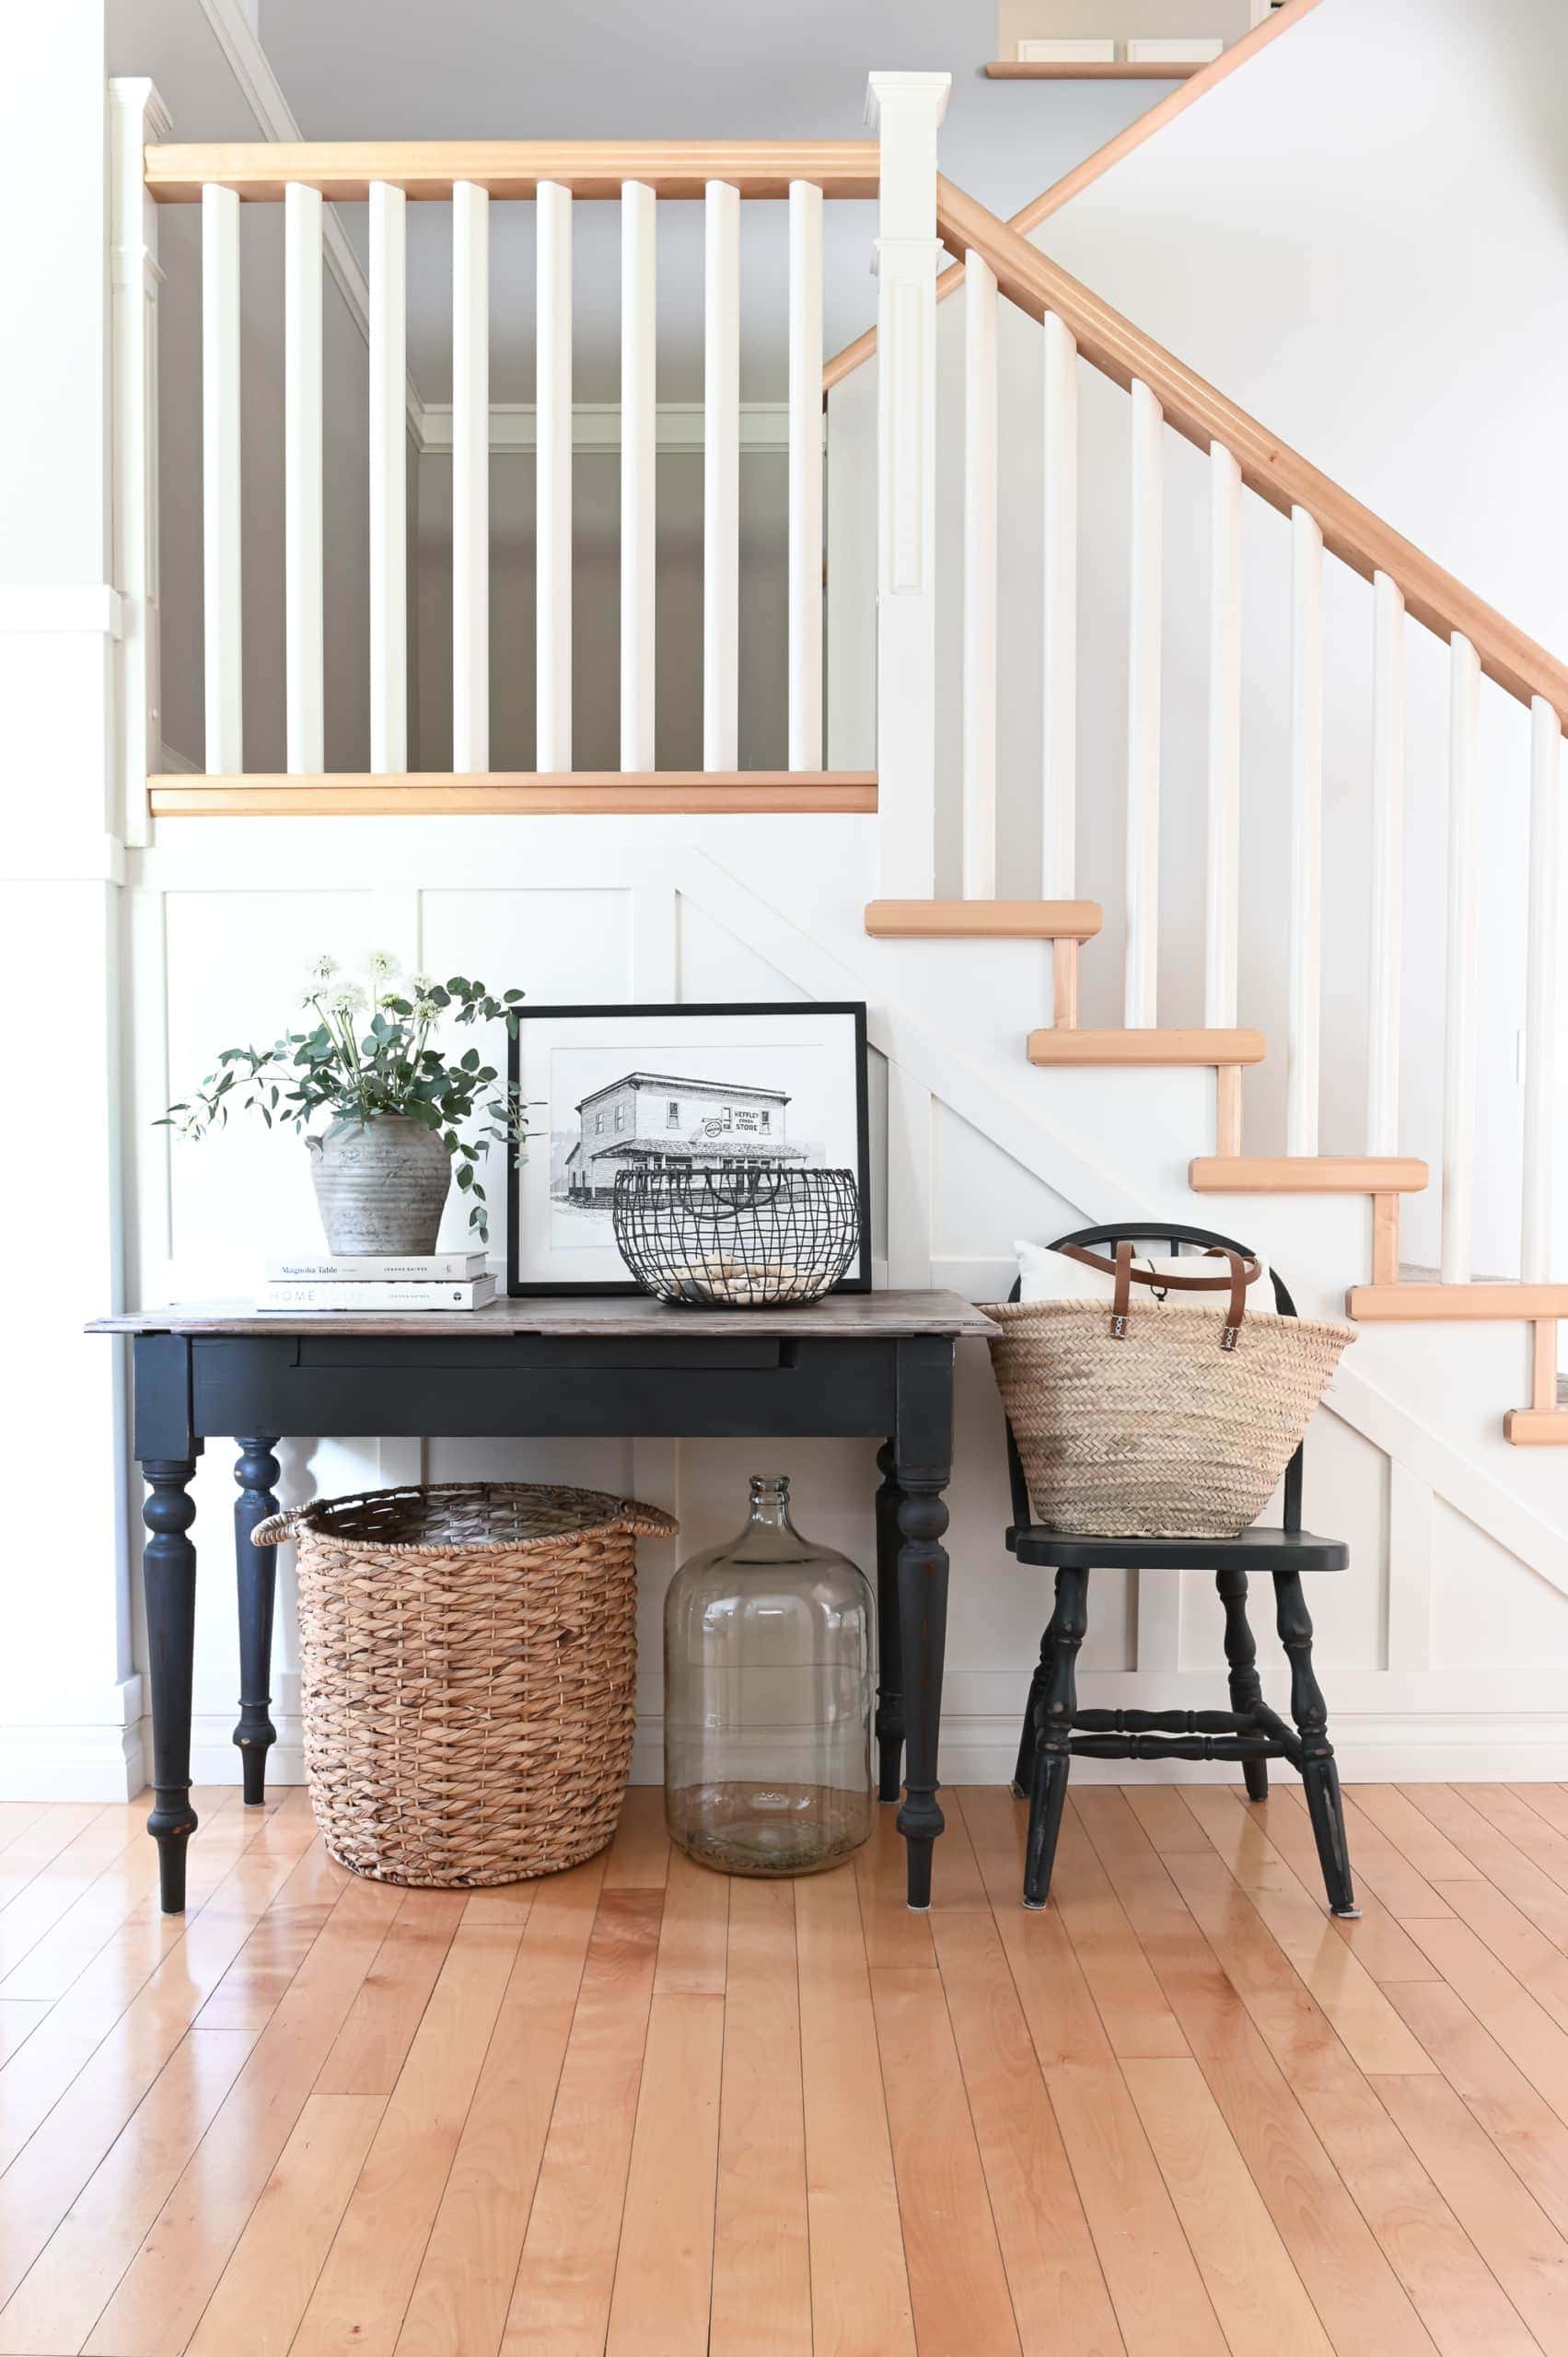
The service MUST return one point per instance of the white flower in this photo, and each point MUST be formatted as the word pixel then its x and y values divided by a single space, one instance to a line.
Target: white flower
pixel 323 969
pixel 349 1001
pixel 421 984
pixel 382 966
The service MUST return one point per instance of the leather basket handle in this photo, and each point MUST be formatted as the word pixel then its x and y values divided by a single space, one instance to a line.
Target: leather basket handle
pixel 1243 1270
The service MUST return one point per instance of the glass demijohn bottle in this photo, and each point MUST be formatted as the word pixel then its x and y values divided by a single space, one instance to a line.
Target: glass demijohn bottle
pixel 767 1700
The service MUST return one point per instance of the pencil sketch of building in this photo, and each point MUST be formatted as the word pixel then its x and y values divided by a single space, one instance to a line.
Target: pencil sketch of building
pixel 650 1118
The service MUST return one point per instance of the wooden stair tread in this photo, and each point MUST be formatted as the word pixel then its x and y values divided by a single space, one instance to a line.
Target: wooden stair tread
pixel 983 920
pixel 1307 1174
pixel 1093 69
pixel 1146 1047
pixel 1539 1427
pixel 1408 1303
pixel 520 792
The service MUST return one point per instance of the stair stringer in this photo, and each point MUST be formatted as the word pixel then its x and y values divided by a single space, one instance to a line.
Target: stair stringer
pixel 1323 1241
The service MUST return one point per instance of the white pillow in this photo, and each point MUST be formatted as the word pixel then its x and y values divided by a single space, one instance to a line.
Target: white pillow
pixel 1045 1275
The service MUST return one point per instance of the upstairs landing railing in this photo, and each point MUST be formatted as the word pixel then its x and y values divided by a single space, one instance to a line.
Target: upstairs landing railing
pixel 470 179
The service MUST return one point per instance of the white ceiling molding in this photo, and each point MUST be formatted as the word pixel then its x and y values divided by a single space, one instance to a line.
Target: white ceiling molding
pixel 595 425
pixel 232 23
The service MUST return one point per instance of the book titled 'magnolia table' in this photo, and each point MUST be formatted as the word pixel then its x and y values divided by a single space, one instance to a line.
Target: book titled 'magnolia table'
pixel 370 1268
pixel 428 1281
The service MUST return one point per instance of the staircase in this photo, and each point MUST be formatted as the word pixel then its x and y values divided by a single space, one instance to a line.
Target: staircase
pixel 1002 267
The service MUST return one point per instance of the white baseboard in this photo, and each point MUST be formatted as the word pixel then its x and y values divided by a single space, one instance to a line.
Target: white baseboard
pixel 1372 1747
pixel 71 1763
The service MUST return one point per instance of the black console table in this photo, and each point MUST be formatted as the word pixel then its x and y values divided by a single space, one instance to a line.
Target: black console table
pixel 877 1366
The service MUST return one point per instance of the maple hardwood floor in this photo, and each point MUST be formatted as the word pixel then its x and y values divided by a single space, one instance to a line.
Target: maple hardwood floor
pixel 639 2109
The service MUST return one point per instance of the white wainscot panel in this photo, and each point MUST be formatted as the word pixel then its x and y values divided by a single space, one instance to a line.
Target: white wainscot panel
pixel 716 964
pixel 1489 1610
pixel 985 1201
pixel 704 1482
pixel 998 1608
pixel 560 946
pixel 1345 1497
pixel 236 967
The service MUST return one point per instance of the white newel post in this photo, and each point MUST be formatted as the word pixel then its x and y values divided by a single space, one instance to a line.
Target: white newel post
pixel 78 690
pixel 905 109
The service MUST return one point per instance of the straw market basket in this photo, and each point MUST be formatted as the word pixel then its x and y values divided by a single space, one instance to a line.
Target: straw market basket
pixel 1158 1432
pixel 468 1656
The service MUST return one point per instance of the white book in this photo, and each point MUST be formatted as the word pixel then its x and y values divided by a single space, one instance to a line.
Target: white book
pixel 467 1292
pixel 407 1268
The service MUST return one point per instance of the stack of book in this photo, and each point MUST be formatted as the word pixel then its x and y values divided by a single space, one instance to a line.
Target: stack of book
pixel 392 1285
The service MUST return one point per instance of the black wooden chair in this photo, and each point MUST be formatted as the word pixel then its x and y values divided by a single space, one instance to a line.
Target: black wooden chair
pixel 1054 1727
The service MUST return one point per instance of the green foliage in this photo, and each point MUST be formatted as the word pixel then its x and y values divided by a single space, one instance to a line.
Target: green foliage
pixel 355 1069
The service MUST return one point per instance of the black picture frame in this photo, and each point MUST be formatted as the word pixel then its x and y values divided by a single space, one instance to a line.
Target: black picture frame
pixel 855 1280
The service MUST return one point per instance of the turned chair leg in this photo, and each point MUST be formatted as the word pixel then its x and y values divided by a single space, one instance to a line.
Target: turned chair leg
pixel 1053 1729
pixel 1023 1774
pixel 1241 1651
pixel 1320 1776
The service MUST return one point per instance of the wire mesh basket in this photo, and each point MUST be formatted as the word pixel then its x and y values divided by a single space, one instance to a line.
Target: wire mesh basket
pixel 743 1235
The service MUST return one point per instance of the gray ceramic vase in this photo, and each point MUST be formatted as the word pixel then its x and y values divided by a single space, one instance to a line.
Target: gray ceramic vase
pixel 380 1184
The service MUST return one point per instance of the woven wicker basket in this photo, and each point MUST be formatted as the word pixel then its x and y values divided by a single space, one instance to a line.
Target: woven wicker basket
pixel 1161 1434
pixel 468 1657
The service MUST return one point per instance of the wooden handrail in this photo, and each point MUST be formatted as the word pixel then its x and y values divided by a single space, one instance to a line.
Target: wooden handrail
pixel 1132 135
pixel 1352 532
pixel 345 171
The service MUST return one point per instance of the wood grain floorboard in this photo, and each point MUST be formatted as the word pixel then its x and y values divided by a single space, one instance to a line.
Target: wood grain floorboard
pixel 762 2288
pixel 639 2110
pixel 369 2274
pixel 561 2302
pixel 860 2295
pixel 957 2283
pixel 460 2297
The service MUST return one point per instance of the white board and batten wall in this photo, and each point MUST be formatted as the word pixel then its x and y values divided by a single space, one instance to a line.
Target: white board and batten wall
pixel 577 912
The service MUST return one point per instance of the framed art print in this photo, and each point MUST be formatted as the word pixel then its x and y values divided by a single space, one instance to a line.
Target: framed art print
pixel 613 1088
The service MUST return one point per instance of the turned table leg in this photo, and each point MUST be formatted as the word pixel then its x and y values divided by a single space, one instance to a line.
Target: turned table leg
pixel 169 1573
pixel 889 1666
pixel 256 1572
pixel 924 1448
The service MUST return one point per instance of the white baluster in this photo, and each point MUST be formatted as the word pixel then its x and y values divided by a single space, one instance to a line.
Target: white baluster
pixel 389 479
pixel 1388 857
pixel 906 110
pixel 1462 948
pixel 980 580
pixel 1144 623
pixel 1540 995
pixel 1059 673
pixel 1305 1019
pixel 639 420
pixel 804 476
pixel 1223 893
pixel 471 477
pixel 303 659
pixel 221 597
pixel 721 479
pixel 552 513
